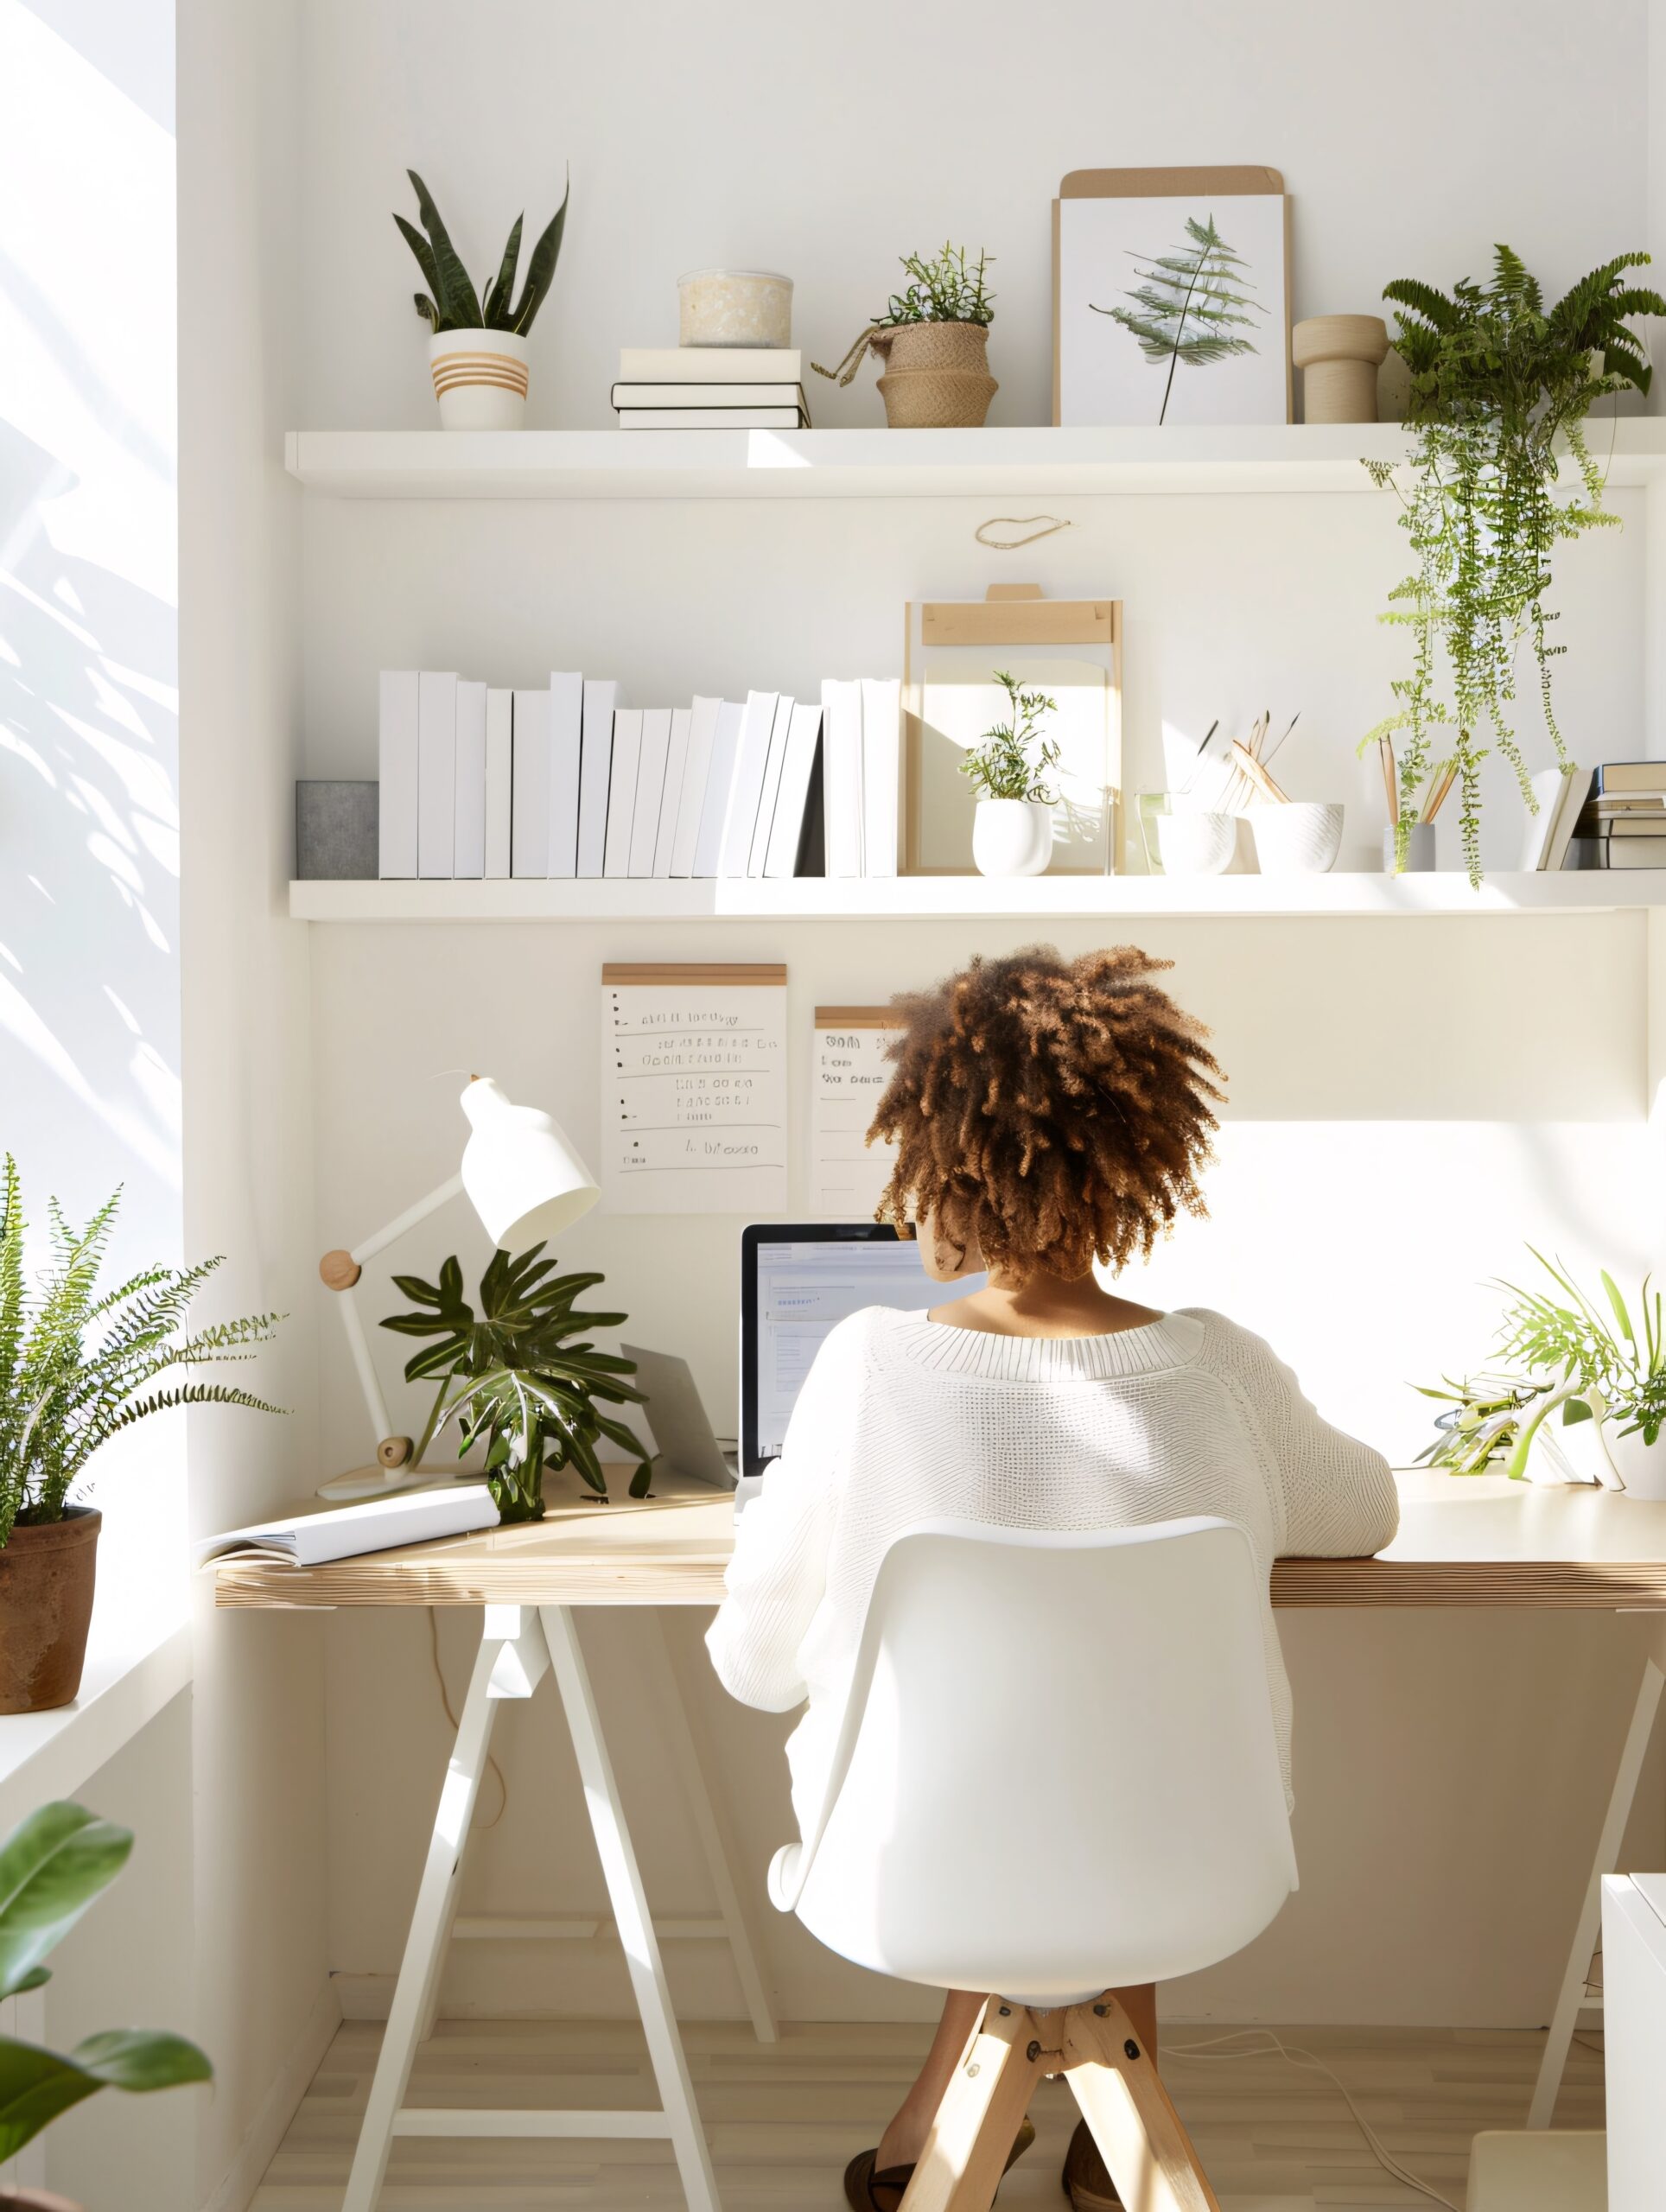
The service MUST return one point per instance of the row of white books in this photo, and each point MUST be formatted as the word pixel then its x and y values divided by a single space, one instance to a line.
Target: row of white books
pixel 563 781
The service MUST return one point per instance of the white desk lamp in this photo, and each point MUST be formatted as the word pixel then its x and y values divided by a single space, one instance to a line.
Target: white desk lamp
pixel 527 1184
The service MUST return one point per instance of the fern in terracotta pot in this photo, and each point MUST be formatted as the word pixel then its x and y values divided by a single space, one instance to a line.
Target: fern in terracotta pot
pixel 933 340
pixel 76 1368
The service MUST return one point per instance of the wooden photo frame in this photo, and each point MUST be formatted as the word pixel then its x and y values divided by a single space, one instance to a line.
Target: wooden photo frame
pixel 1071 649
pixel 1112 231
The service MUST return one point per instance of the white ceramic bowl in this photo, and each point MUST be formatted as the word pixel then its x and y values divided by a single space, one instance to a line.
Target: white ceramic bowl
pixel 1300 838
pixel 1197 844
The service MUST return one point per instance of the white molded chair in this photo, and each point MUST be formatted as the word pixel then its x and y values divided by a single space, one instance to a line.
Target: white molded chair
pixel 1057 1775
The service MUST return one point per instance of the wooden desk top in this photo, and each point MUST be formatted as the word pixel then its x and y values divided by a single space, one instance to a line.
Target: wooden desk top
pixel 1480 1540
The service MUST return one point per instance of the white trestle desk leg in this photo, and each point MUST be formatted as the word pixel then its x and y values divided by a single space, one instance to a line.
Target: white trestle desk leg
pixel 630 1906
pixel 1565 2019
pixel 691 1750
pixel 419 1970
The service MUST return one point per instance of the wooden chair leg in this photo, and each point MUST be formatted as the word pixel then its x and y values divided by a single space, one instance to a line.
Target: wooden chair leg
pixel 1148 2152
pixel 982 2110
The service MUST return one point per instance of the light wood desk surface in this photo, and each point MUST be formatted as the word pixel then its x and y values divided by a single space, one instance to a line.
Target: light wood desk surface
pixel 1481 1541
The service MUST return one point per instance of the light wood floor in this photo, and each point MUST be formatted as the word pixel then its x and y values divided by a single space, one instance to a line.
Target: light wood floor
pixel 784 2120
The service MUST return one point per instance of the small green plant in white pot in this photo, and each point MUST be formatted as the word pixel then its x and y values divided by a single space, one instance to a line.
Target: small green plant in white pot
pixel 477 349
pixel 1012 829
pixel 1600 1359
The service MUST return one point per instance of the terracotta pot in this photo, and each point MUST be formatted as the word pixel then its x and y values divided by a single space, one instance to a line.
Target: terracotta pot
pixel 46 1605
pixel 937 375
pixel 34 2200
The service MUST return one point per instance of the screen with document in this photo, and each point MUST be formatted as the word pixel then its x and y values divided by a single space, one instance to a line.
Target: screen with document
pixel 798 1281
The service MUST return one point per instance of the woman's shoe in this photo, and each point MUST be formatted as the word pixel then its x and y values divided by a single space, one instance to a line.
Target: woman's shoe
pixel 868 2191
pixel 1086 2182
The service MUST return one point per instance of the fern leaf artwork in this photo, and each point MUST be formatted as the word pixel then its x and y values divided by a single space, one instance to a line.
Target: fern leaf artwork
pixel 1195 305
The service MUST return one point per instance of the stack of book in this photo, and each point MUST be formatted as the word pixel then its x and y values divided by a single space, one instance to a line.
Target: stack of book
pixel 711 388
pixel 561 780
pixel 1622 821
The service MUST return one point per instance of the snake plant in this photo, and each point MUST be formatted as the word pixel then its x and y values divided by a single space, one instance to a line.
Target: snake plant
pixel 75 1364
pixel 451 301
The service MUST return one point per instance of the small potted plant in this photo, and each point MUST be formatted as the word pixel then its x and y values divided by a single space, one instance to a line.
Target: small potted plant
pixel 932 340
pixel 477 348
pixel 512 1380
pixel 1600 1364
pixel 1011 829
pixel 52 1865
pixel 75 1367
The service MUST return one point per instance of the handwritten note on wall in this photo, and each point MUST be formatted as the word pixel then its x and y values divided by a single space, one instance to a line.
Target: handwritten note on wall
pixel 848 1071
pixel 694 1088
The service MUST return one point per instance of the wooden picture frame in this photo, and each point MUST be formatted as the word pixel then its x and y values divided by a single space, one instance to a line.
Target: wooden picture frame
pixel 1240 182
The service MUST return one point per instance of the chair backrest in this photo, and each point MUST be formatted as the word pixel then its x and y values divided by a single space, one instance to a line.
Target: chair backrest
pixel 1057 1772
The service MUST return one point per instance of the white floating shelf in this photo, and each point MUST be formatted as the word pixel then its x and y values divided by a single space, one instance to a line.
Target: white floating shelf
pixel 943 898
pixel 879 463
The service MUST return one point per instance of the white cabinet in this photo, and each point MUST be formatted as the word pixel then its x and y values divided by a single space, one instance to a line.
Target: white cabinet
pixel 1634 2020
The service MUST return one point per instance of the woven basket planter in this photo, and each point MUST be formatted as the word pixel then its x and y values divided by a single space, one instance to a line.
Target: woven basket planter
pixel 937 375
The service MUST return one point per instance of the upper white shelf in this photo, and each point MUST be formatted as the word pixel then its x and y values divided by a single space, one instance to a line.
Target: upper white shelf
pixel 879 463
pixel 972 898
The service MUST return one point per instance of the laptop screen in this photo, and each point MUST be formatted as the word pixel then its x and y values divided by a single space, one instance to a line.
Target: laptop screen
pixel 798 1281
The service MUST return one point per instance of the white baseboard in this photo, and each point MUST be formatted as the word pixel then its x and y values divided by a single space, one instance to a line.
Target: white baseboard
pixel 278 2106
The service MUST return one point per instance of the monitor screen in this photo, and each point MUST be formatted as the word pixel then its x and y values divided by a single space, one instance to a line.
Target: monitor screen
pixel 799 1283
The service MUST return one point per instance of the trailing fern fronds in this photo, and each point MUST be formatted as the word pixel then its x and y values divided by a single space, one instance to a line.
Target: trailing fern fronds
pixel 1500 388
pixel 451 301
pixel 75 1366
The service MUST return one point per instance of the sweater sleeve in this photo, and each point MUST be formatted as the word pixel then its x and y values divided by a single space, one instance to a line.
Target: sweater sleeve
pixel 1337 1495
pixel 778 1574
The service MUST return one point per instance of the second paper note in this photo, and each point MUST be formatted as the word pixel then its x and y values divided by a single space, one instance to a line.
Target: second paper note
pixel 849 1069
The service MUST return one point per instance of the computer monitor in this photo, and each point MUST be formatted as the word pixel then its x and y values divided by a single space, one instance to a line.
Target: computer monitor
pixel 798 1280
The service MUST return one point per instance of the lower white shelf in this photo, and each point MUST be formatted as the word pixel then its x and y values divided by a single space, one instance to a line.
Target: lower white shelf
pixel 973 898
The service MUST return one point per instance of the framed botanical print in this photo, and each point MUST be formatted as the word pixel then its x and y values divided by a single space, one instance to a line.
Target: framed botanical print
pixel 1171 297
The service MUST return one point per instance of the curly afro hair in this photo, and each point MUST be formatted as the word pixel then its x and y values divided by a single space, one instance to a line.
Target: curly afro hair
pixel 1054 1111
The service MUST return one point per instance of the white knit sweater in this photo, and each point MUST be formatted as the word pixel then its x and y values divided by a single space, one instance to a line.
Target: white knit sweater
pixel 902 1419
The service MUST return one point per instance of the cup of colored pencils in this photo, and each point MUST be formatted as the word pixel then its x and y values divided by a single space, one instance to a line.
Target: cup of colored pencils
pixel 1409 840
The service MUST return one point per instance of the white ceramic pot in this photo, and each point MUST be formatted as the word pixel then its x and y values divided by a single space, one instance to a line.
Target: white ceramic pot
pixel 1300 838
pixel 1012 836
pixel 1420 849
pixel 1640 1467
pixel 1197 844
pixel 479 378
pixel 734 307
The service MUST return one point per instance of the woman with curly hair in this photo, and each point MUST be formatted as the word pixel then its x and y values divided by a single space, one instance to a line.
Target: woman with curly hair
pixel 1049 1115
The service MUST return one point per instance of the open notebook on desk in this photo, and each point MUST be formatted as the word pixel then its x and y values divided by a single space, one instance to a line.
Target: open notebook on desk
pixel 379 1524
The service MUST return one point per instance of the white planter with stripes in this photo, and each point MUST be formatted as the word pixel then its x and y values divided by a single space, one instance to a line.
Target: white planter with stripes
pixel 479 378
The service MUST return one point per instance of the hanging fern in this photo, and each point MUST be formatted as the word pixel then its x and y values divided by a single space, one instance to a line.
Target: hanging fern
pixel 75 1366
pixel 1497 379
pixel 1187 306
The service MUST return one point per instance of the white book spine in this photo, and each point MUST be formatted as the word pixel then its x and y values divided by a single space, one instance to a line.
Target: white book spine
pixel 436 772
pixel 697 772
pixel 726 726
pixel 595 773
pixel 566 744
pixel 787 831
pixel 772 791
pixel 650 788
pixel 469 859
pixel 499 780
pixel 671 801
pixel 529 837
pixel 621 790
pixel 397 767
pixel 881 768
pixel 746 785
pixel 842 775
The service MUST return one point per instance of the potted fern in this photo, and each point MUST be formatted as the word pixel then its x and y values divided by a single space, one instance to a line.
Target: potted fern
pixel 52 1865
pixel 1501 385
pixel 932 340
pixel 1012 827
pixel 477 346
pixel 513 1380
pixel 76 1368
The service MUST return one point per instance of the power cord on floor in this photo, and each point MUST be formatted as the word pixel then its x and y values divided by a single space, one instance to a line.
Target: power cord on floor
pixel 1296 2055
pixel 445 1700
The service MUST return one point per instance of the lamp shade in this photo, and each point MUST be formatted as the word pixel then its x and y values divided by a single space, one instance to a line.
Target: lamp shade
pixel 523 1177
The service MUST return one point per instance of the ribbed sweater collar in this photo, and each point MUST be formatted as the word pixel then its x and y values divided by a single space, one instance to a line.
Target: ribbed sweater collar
pixel 1171 1342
